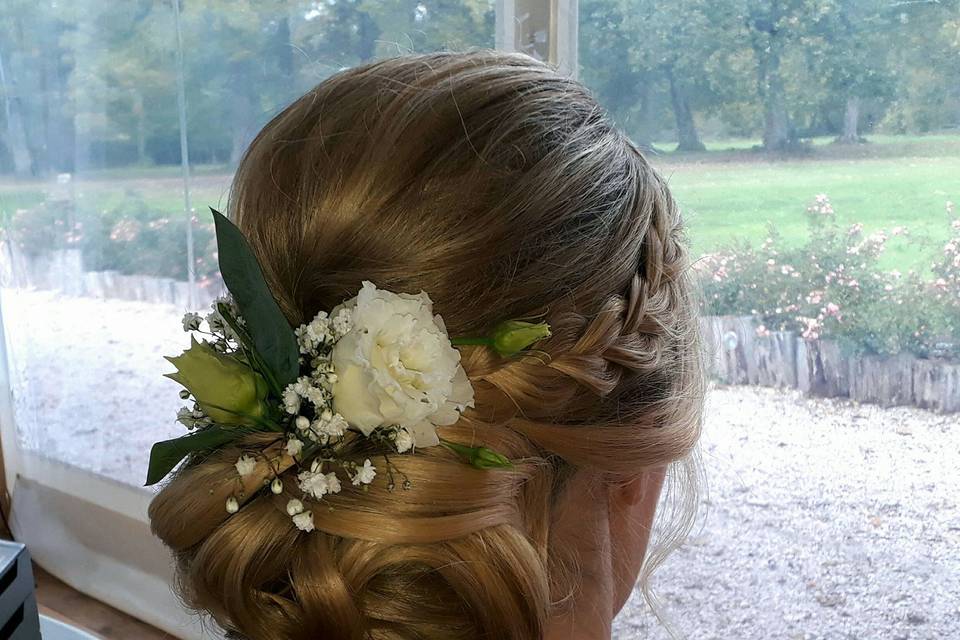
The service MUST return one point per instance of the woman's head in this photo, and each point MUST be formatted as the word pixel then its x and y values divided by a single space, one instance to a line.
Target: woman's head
pixel 503 190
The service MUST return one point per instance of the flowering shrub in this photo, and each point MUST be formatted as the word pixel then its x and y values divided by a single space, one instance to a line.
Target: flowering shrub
pixel 43 228
pixel 132 238
pixel 832 286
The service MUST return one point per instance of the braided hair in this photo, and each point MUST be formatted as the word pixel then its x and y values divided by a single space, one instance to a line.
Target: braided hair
pixel 504 190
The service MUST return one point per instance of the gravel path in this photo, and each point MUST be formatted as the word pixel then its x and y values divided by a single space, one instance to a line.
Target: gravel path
pixel 821 519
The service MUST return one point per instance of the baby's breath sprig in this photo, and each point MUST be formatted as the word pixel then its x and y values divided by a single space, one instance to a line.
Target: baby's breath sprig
pixel 380 367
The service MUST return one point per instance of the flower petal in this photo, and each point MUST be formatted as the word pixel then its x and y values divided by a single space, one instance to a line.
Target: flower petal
pixel 424 434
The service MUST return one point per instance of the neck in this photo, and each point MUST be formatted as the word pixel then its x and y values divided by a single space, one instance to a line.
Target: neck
pixel 582 525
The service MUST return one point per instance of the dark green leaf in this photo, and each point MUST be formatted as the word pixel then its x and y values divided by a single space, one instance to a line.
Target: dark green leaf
pixel 165 455
pixel 272 335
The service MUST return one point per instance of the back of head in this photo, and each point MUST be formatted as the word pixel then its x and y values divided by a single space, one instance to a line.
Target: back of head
pixel 503 190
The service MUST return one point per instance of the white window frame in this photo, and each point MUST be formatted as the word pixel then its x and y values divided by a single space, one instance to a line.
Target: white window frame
pixel 561 28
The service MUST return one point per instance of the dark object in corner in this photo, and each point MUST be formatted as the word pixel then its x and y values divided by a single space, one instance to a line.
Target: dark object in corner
pixel 19 619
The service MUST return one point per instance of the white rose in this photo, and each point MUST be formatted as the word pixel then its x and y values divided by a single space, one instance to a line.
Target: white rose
pixel 396 366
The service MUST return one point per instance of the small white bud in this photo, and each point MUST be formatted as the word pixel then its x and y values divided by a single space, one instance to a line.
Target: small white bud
pixel 277 486
pixel 232 505
pixel 303 423
pixel 294 507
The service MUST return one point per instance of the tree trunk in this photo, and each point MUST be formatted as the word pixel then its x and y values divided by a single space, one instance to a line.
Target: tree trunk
pixel 851 122
pixel 687 137
pixel 283 51
pixel 17 140
pixel 241 111
pixel 367 35
pixel 645 126
pixel 776 121
pixel 16 135
pixel 140 112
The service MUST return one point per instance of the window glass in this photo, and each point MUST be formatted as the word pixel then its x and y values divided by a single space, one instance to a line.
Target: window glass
pixel 98 258
pixel 814 150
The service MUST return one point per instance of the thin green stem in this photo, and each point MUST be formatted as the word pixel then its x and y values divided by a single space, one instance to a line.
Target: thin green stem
pixel 487 342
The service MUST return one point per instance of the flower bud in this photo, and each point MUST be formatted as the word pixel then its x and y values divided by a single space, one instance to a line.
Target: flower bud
pixel 513 336
pixel 478 457
pixel 483 458
pixel 294 507
pixel 228 391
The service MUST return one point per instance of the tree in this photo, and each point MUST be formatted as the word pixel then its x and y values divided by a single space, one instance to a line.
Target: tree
pixel 624 87
pixel 773 26
pixel 849 51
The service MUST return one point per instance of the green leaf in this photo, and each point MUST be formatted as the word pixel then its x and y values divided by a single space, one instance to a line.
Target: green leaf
pixel 272 335
pixel 165 455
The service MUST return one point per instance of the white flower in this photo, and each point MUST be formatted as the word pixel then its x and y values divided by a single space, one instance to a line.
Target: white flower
pixel 294 447
pixel 291 400
pixel 190 418
pixel 232 505
pixel 304 521
pixel 294 507
pixel 246 465
pixel 342 321
pixel 330 425
pixel 191 321
pixel 317 395
pixel 302 422
pixel 365 474
pixel 403 441
pixel 215 321
pixel 276 486
pixel 333 483
pixel 311 336
pixel 396 366
pixel 315 484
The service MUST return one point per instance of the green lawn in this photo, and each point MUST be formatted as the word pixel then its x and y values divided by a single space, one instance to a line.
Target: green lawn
pixel 727 193
pixel 738 199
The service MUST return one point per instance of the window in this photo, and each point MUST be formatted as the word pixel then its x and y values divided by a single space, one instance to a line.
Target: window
pixel 814 148
pixel 115 120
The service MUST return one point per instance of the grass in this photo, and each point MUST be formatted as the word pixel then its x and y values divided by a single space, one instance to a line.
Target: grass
pixel 727 201
pixel 729 192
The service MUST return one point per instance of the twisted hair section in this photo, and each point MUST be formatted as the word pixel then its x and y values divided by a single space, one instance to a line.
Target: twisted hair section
pixel 503 190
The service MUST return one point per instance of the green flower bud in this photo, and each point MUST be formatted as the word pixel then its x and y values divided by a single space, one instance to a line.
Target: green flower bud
pixel 479 457
pixel 484 458
pixel 513 336
pixel 229 391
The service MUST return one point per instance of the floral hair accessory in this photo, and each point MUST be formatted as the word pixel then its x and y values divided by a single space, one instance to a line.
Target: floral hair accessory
pixel 379 366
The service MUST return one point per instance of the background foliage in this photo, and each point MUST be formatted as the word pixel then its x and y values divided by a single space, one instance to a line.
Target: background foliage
pixel 89 83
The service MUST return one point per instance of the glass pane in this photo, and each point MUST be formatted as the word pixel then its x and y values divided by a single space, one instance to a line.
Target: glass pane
pixel 99 259
pixel 814 149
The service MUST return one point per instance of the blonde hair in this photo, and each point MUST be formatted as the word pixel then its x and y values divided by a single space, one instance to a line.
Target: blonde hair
pixel 502 189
